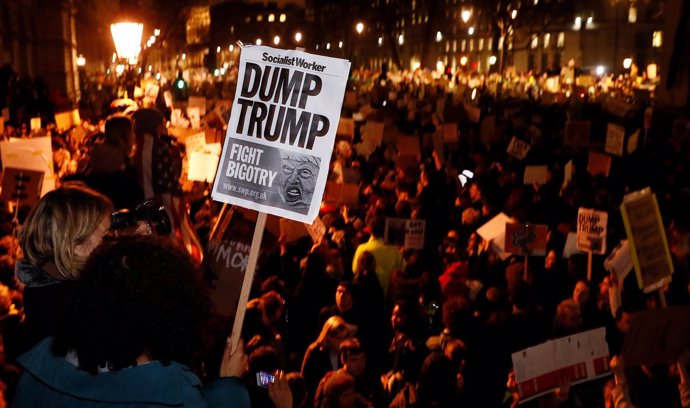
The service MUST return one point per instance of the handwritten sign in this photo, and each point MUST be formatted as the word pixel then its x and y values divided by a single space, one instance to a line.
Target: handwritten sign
pixel 405 233
pixel 518 148
pixel 526 239
pixel 591 230
pixel 648 245
pixel 615 139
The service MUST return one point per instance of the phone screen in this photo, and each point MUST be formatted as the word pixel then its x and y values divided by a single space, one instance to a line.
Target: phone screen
pixel 263 379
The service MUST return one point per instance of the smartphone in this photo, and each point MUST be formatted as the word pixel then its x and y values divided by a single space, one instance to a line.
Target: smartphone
pixel 263 379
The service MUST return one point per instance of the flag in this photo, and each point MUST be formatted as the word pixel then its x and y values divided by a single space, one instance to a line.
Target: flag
pixel 159 165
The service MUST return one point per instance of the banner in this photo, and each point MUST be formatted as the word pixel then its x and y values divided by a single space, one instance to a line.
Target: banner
pixel 574 359
pixel 647 240
pixel 526 239
pixel 281 132
pixel 591 230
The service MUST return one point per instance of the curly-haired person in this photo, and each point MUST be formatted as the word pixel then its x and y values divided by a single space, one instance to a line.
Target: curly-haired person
pixel 132 338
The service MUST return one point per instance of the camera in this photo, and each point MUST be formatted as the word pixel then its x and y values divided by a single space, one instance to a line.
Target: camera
pixel 148 212
pixel 263 379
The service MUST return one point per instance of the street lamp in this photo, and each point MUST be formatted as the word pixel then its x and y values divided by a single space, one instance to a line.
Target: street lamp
pixel 127 39
pixel 627 63
pixel 298 36
pixel 359 27
pixel 81 61
pixel 276 40
pixel 465 15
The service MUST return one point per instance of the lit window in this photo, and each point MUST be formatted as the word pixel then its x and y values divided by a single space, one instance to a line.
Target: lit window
pixel 283 18
pixel 480 46
pixel 447 46
pixel 472 45
pixel 561 40
pixel 247 19
pixel 500 43
pixel 489 44
pixel 463 45
pixel 657 39
pixel 547 38
pixel 535 41
pixel 455 46
pixel 260 17
pixel 271 18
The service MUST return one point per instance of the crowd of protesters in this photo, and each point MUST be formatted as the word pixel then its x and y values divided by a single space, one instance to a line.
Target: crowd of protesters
pixel 349 321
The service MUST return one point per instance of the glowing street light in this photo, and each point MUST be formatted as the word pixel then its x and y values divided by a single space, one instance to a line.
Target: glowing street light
pixel 298 36
pixel 81 61
pixel 401 39
pixel 258 41
pixel 439 36
pixel 276 40
pixel 492 60
pixel 600 71
pixel 627 63
pixel 465 15
pixel 470 31
pixel 513 14
pixel 127 39
pixel 380 41
pixel 359 27
pixel 463 60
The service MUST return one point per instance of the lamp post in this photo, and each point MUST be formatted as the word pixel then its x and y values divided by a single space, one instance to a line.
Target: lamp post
pixel 127 39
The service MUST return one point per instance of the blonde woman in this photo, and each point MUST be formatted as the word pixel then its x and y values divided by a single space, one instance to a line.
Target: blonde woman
pixel 322 355
pixel 56 239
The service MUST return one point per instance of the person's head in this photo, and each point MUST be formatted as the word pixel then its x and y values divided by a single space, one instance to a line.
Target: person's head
pixel 64 228
pixel 456 314
pixel 333 332
pixel 405 317
pixel 263 358
pixel 352 357
pixel 339 391
pixel 343 297
pixel 137 296
pixel 118 133
pixel 623 318
pixel 550 261
pixel 437 381
pixel 581 293
pixel 366 263
pixel 569 316
pixel 148 121
pixel 298 388
pixel 272 307
pixel 377 225
pixel 297 179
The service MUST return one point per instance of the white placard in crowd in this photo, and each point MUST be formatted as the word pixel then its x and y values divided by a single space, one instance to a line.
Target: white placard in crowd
pixel 195 142
pixel 35 124
pixel 591 230
pixel 28 154
pixel 202 166
pixel 615 139
pixel 573 359
pixel 619 260
pixel 278 163
pixel 633 140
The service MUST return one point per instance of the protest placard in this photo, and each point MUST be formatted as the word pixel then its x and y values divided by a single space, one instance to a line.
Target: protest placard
pixel 339 193
pixel 450 132
pixel 517 148
pixel 28 154
pixel 64 120
pixel 615 139
pixel 599 163
pixel 197 102
pixel 633 140
pixel 570 247
pixel 495 231
pixel 405 233
pixel 202 166
pixel 273 166
pixel 591 230
pixel 195 142
pixel 573 360
pixel 21 186
pixel 647 240
pixel 35 124
pixel 619 261
pixel 526 239
pixel 226 258
pixel 194 115
pixel 576 133
pixel 657 336
pixel 316 230
pixel 536 175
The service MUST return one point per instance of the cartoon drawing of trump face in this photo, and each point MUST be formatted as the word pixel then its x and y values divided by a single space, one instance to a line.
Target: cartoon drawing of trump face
pixel 297 180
